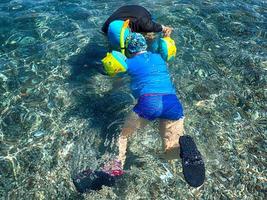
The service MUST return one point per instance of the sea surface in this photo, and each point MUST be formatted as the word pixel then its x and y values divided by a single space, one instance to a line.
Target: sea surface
pixel 59 113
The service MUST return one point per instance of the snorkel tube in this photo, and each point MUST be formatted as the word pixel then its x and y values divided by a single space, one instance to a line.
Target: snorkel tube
pixel 122 43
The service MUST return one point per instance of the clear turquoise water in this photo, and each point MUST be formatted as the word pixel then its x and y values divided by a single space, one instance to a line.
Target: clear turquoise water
pixel 59 114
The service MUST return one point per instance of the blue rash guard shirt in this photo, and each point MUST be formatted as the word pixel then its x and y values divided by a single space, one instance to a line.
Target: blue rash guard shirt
pixel 149 75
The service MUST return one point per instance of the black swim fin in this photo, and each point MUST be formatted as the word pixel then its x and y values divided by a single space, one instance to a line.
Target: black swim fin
pixel 92 180
pixel 192 162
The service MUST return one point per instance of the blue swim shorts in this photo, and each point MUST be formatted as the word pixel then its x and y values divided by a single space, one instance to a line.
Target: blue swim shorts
pixel 164 106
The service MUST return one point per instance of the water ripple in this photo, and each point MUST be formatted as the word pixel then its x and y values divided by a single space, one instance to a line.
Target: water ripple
pixel 59 114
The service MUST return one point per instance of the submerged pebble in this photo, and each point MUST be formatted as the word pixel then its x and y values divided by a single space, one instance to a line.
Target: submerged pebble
pixel 27 41
pixel 3 77
pixel 39 133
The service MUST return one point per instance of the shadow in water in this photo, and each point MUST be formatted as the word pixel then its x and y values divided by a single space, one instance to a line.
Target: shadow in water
pixel 88 61
pixel 104 111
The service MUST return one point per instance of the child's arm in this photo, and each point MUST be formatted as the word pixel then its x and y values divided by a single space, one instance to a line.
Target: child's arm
pixel 147 25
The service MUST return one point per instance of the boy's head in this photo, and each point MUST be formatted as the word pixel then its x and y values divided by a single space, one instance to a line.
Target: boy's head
pixel 136 43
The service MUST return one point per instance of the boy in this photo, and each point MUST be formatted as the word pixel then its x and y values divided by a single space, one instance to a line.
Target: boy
pixel 152 86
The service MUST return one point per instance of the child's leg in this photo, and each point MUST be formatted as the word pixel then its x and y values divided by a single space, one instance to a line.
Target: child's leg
pixel 170 131
pixel 132 123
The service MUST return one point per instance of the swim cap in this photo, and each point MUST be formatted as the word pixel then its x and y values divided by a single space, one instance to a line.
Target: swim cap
pixel 136 42
pixel 114 31
pixel 114 63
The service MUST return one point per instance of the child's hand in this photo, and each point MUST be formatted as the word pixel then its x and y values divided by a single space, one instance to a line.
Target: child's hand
pixel 166 31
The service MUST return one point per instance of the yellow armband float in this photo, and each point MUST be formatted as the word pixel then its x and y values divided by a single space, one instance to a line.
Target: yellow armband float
pixel 122 36
pixel 114 63
pixel 167 48
pixel 118 31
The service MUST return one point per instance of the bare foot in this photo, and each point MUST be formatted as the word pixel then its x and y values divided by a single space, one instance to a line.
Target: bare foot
pixel 113 168
pixel 170 154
